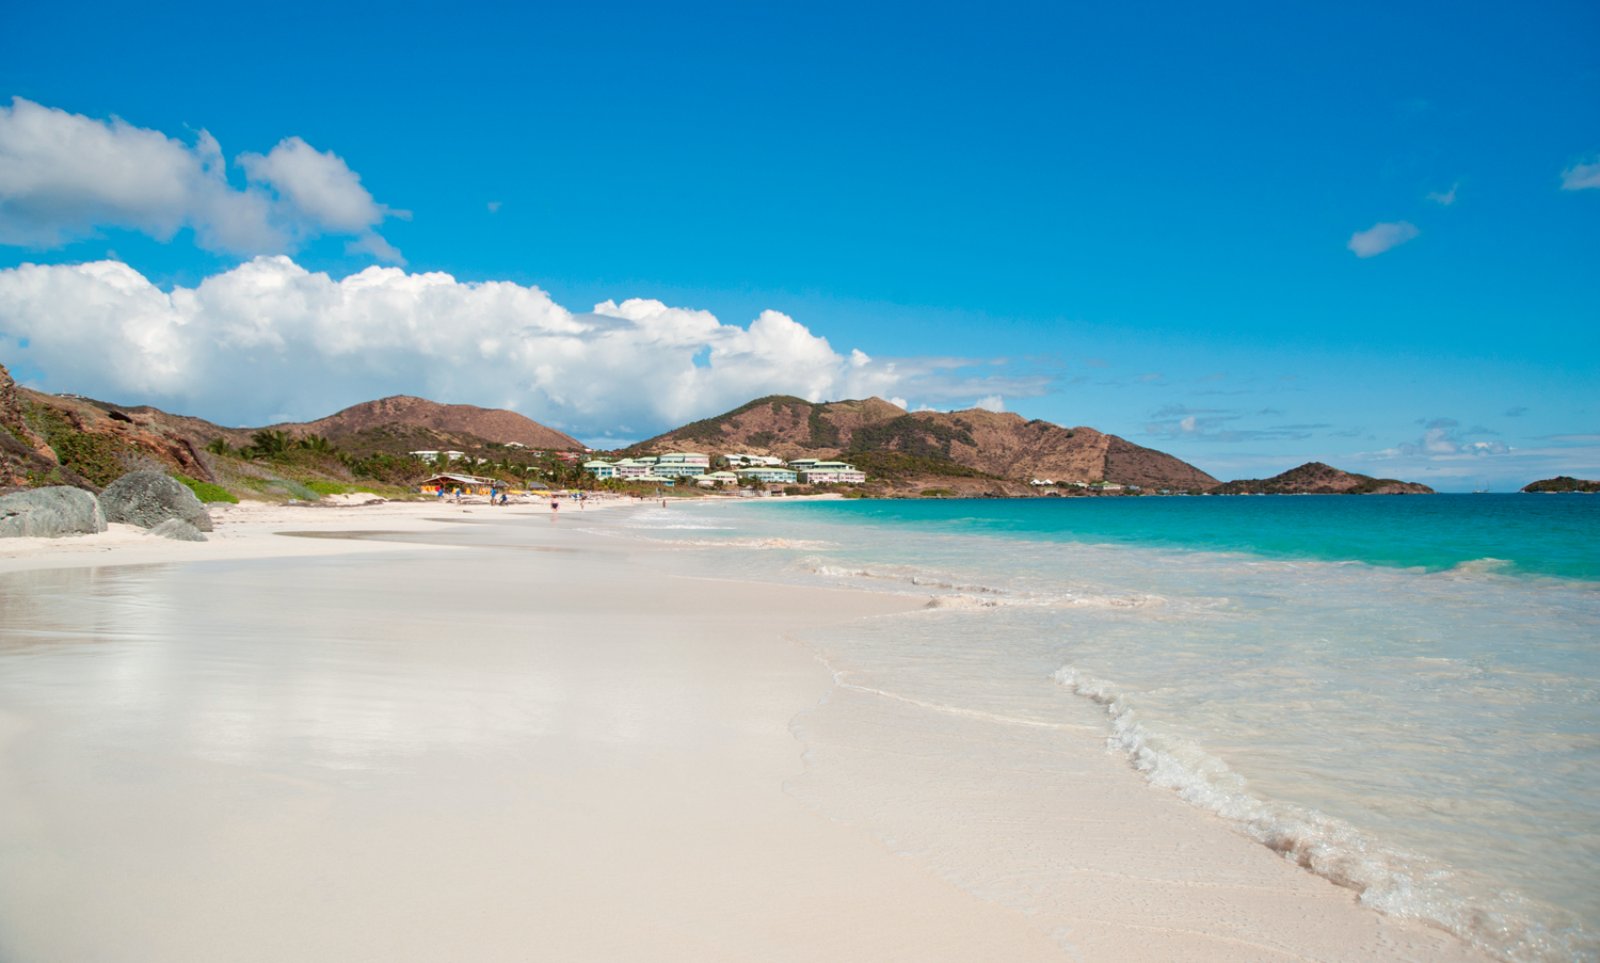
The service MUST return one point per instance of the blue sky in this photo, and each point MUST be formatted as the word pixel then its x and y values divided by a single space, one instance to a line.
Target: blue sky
pixel 1248 234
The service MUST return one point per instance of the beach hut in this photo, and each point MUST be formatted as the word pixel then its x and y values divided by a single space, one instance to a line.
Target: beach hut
pixel 449 482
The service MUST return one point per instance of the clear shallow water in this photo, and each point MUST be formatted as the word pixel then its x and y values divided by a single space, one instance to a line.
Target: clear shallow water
pixel 1535 534
pixel 1401 694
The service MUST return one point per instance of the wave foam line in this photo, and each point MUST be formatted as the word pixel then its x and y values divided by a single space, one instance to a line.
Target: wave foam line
pixel 820 567
pixel 1388 879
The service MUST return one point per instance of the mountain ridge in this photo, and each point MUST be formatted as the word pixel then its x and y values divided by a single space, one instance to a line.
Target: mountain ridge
pixel 999 445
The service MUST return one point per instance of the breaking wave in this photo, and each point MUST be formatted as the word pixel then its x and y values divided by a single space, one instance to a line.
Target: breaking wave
pixel 1389 879
pixel 909 579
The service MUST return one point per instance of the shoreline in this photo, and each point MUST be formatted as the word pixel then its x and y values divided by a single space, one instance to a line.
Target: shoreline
pixel 709 746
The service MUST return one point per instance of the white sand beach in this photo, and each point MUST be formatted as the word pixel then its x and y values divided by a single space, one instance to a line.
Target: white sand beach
pixel 429 731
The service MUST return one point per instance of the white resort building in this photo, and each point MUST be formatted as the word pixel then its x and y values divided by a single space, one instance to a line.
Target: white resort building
pixel 676 463
pixel 831 472
pixel 762 470
pixel 767 476
pixel 751 461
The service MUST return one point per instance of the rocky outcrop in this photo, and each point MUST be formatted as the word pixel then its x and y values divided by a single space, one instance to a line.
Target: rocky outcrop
pixel 1315 478
pixel 50 513
pixel 178 530
pixel 148 498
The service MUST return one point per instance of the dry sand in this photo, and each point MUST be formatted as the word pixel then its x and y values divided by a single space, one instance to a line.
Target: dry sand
pixel 534 743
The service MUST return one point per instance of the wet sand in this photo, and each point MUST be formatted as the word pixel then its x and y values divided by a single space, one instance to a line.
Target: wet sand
pixel 479 734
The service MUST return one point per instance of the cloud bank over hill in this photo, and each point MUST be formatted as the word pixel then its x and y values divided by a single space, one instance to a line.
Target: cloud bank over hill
pixel 269 340
pixel 63 175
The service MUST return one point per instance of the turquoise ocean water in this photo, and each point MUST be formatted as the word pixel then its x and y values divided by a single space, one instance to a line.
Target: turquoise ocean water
pixel 1402 694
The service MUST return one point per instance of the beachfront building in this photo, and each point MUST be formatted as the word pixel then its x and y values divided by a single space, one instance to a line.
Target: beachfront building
pixel 679 463
pixel 831 472
pixel 751 461
pixel 801 464
pixel 634 469
pixel 600 469
pixel 465 484
pixel 713 479
pixel 767 476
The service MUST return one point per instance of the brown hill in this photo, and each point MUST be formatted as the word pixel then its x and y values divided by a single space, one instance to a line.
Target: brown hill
pixel 443 423
pixel 65 439
pixel 1315 478
pixel 921 446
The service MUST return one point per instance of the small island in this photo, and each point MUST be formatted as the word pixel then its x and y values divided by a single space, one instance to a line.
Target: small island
pixel 1315 478
pixel 1563 485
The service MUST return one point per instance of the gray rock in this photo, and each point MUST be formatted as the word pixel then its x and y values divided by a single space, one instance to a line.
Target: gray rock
pixel 148 498
pixel 50 513
pixel 178 529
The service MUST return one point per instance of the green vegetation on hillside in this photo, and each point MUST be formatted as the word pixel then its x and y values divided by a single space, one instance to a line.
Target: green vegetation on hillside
pixel 908 435
pixel 709 430
pixel 824 433
pixel 898 465
pixel 206 491
pixel 101 459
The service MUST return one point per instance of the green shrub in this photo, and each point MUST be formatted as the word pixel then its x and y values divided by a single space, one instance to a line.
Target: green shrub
pixel 283 487
pixel 98 458
pixel 95 457
pixel 207 492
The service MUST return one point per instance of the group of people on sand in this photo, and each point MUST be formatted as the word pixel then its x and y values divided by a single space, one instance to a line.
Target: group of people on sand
pixel 501 496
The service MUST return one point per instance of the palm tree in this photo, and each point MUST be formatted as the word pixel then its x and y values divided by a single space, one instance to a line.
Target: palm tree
pixel 269 443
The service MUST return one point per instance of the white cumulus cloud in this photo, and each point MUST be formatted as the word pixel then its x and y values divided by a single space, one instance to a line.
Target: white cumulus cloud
pixel 63 176
pixel 270 338
pixel 1581 176
pixel 1381 237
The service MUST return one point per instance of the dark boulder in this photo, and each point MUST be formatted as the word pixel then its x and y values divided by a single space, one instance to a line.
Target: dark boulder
pixel 148 498
pixel 50 513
